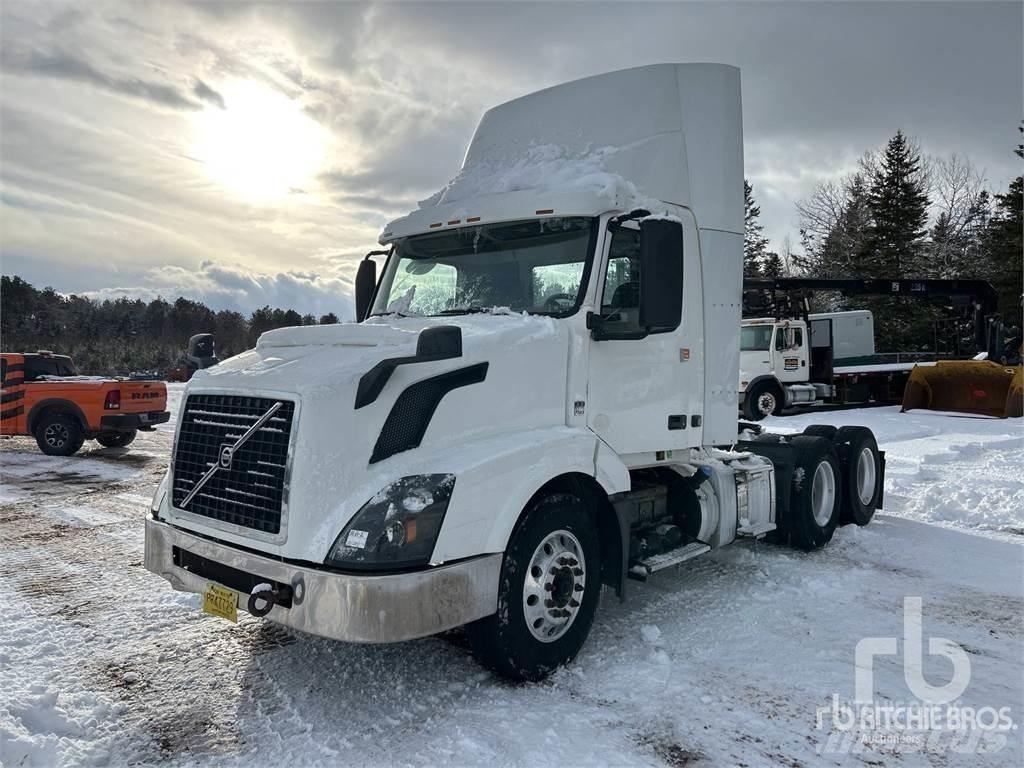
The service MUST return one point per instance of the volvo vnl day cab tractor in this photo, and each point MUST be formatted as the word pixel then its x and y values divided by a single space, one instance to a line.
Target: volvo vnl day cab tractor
pixel 538 400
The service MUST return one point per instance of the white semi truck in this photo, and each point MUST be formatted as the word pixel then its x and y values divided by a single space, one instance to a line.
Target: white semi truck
pixel 827 358
pixel 539 399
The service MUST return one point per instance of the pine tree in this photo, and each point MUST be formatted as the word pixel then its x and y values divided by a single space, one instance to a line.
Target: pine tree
pixel 754 243
pixel 772 266
pixel 1004 244
pixel 898 204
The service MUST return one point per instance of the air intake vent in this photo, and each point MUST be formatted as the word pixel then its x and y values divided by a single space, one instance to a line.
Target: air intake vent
pixel 249 487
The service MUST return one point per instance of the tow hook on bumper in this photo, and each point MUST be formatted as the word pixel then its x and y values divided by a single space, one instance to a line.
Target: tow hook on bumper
pixel 264 597
pixel 358 608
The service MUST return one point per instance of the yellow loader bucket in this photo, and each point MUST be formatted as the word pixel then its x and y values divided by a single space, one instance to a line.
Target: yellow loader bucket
pixel 966 386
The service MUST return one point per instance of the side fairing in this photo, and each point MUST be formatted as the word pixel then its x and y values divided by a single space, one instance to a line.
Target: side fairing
pixel 722 263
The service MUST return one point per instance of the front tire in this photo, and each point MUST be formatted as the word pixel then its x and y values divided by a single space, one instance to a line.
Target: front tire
pixel 547 594
pixel 59 434
pixel 116 439
pixel 762 399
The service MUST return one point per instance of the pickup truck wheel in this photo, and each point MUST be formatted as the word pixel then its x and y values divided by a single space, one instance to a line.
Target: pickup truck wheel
pixel 762 399
pixel 817 492
pixel 116 439
pixel 858 456
pixel 547 594
pixel 59 434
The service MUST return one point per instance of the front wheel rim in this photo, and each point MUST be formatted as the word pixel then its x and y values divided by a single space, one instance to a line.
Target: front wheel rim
pixel 866 476
pixel 823 493
pixel 766 403
pixel 554 586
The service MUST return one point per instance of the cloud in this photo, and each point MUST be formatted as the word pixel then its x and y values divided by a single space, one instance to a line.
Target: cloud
pixel 235 287
pixel 67 67
pixel 207 94
pixel 99 108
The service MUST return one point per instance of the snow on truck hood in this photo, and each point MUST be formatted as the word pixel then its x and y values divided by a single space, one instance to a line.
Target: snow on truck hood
pixel 332 473
pixel 305 359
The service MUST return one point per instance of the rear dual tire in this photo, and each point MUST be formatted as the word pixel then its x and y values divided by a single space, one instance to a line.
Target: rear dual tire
pixel 860 461
pixel 815 500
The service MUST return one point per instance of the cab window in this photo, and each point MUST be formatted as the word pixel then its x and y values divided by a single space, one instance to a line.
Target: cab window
pixel 755 338
pixel 789 338
pixel 620 296
pixel 47 366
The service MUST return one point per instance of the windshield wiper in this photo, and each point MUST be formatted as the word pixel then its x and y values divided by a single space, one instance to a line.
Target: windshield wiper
pixel 465 311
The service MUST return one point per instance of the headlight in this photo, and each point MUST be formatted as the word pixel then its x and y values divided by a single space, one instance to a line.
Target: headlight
pixel 397 528
pixel 158 497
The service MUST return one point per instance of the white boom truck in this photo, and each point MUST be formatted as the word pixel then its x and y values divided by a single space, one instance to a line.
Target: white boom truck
pixel 540 398
pixel 829 358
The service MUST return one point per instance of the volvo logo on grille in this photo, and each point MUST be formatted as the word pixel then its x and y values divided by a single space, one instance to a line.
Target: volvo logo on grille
pixel 227 453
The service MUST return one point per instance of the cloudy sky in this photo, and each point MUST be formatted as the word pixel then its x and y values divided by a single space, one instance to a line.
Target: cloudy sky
pixel 249 154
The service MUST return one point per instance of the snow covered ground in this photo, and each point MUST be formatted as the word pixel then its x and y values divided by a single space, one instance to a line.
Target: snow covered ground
pixel 724 661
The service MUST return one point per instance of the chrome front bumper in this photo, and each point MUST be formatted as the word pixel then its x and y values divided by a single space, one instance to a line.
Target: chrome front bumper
pixel 358 609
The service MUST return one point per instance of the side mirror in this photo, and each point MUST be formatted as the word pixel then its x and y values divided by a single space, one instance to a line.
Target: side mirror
pixel 201 352
pixel 366 281
pixel 661 273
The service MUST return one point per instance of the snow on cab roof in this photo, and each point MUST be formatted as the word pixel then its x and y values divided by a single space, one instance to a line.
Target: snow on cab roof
pixel 576 137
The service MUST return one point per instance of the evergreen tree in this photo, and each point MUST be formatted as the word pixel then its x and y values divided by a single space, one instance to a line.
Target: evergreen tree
pixel 1004 245
pixel 846 251
pixel 329 319
pixel 772 267
pixel 124 335
pixel 754 243
pixel 898 202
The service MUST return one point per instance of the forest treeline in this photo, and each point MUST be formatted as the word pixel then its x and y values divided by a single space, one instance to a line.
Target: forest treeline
pixel 125 335
pixel 903 214
pixel 900 214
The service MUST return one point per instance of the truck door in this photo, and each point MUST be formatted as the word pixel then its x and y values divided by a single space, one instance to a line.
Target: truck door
pixel 789 353
pixel 645 387
pixel 12 394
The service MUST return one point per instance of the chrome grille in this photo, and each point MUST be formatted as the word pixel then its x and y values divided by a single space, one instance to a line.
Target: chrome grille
pixel 251 491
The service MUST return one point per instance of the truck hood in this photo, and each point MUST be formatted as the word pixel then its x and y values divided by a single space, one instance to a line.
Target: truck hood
pixel 319 367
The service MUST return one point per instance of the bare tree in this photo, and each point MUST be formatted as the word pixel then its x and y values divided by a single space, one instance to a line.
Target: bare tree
pixel 960 209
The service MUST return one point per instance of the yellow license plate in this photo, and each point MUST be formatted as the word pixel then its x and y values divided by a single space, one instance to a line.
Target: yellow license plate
pixel 218 601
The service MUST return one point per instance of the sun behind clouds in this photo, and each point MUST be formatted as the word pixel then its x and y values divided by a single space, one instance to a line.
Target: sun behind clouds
pixel 261 145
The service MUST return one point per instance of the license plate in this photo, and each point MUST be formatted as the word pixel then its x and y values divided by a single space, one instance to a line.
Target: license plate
pixel 219 601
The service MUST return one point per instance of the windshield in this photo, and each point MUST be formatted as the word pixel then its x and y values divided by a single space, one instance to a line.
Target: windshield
pixel 538 266
pixel 755 338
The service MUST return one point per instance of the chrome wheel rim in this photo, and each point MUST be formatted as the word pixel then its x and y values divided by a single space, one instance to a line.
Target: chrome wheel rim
pixel 823 493
pixel 56 435
pixel 554 585
pixel 866 476
pixel 766 403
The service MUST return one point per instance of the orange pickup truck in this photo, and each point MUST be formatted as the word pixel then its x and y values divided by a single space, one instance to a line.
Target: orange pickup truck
pixel 43 396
